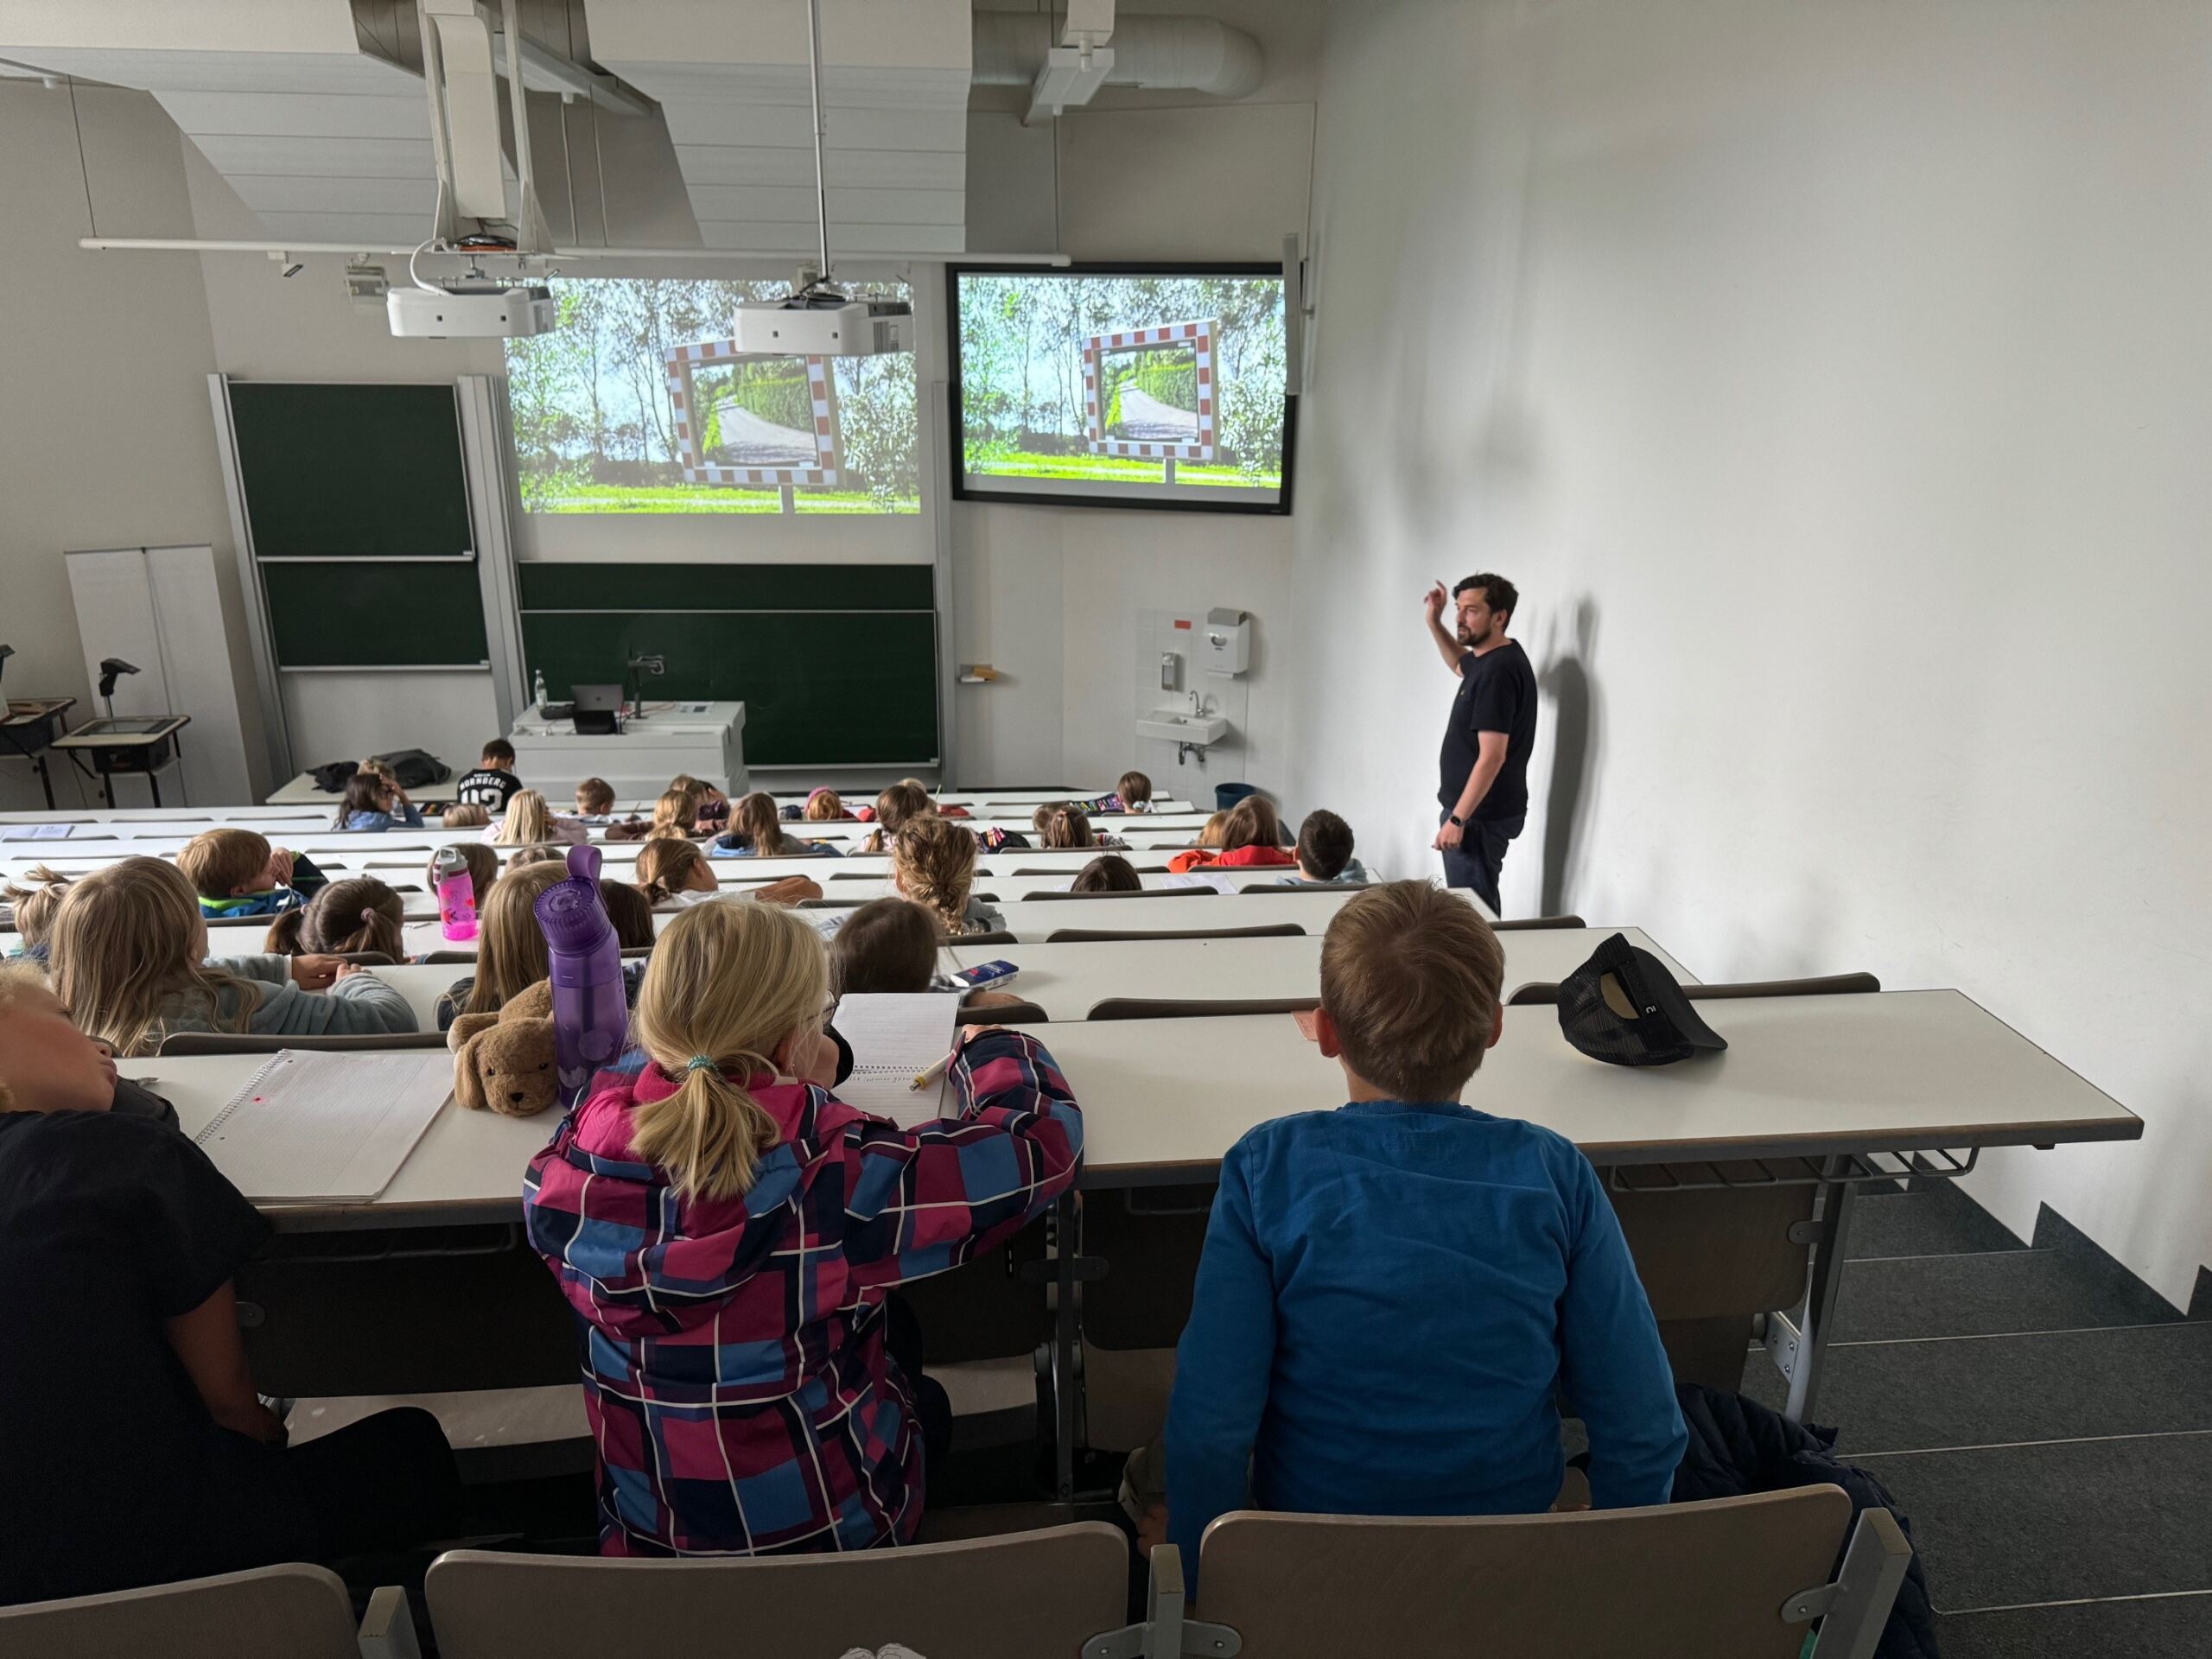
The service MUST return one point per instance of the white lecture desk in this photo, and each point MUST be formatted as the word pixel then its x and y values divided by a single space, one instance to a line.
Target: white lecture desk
pixel 1067 980
pixel 1825 1078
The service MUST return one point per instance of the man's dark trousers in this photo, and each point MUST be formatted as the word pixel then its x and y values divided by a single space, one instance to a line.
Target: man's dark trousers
pixel 1476 861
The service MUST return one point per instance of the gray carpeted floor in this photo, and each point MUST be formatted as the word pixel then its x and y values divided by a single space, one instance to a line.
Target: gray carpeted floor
pixel 2043 1417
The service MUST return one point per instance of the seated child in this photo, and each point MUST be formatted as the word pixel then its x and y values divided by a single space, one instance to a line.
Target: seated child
pixel 712 811
pixel 933 863
pixel 891 945
pixel 137 1442
pixel 595 798
pixel 463 815
pixel 237 873
pixel 675 813
pixel 821 1416
pixel 676 873
pixel 630 911
pixel 373 802
pixel 823 806
pixel 130 950
pixel 895 808
pixel 757 831
pixel 33 907
pixel 1393 1294
pixel 541 853
pixel 1068 827
pixel 1109 873
pixel 494 783
pixel 510 953
pixel 357 914
pixel 1324 853
pixel 528 822
pixel 1132 794
pixel 1250 836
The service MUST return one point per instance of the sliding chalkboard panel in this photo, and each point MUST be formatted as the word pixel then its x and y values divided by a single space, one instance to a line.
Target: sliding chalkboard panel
pixel 356 612
pixel 351 471
pixel 835 665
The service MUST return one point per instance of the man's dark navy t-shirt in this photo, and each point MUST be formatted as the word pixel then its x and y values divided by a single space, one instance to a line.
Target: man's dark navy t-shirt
pixel 1497 693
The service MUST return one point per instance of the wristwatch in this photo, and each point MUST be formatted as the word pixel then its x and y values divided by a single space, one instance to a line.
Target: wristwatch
pixel 1456 821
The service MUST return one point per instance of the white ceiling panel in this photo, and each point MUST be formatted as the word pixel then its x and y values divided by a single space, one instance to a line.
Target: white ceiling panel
pixel 316 157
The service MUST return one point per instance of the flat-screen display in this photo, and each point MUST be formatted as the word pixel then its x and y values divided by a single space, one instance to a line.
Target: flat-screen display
pixel 1122 386
pixel 639 402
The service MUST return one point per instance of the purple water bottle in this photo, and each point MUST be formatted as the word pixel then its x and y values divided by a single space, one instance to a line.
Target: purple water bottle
pixel 456 894
pixel 591 1012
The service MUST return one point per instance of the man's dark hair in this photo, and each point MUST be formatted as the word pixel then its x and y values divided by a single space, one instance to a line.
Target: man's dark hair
pixel 1498 593
pixel 499 749
pixel 1323 845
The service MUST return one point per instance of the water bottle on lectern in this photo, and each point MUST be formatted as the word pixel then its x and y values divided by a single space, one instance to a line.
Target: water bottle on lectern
pixel 456 894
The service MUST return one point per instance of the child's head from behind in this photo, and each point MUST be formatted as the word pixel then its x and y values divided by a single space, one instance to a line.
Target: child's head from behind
pixel 498 755
pixel 1251 822
pixel 668 867
pixel 526 820
pixel 1410 982
pixel 933 863
pixel 901 804
pixel 34 896
pixel 511 954
pixel 1324 845
pixel 359 914
pixel 1069 827
pixel 824 806
pixel 888 944
pixel 541 853
pixel 677 810
pixel 761 821
pixel 734 991
pixel 595 798
pixel 1210 832
pixel 228 863
pixel 1134 790
pixel 47 1065
pixel 464 815
pixel 1109 873
pixel 630 911
pixel 125 938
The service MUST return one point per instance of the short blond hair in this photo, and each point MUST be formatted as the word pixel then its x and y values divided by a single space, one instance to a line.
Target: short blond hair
pixel 1410 977
pixel 823 806
pixel 729 985
pixel 220 861
pixel 594 797
pixel 464 815
pixel 525 822
pixel 35 904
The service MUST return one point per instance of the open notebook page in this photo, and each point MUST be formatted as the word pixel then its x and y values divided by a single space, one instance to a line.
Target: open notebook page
pixel 326 1125
pixel 893 1038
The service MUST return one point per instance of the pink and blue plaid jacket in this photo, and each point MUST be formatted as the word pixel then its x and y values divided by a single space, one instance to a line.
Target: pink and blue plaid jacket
pixel 734 1368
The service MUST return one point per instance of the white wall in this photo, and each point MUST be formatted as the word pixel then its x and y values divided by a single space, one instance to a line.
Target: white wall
pixel 1836 381
pixel 105 435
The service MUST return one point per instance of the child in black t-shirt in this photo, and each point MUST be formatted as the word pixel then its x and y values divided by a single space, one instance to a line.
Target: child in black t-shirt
pixel 133 1449
pixel 493 782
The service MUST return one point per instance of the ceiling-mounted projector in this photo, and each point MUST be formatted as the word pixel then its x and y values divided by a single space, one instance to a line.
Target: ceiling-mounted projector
pixel 478 310
pixel 825 323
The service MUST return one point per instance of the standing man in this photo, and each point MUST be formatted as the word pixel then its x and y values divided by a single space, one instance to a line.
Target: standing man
pixel 1485 767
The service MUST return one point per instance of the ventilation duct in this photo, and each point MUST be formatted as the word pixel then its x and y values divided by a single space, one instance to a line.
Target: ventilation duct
pixel 1194 54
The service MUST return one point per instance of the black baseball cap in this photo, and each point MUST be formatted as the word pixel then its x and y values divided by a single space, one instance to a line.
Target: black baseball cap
pixel 1623 1006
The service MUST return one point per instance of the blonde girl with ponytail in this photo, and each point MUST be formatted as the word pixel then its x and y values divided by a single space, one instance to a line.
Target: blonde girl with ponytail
pixel 129 959
pixel 711 1201
pixel 528 822
pixel 933 863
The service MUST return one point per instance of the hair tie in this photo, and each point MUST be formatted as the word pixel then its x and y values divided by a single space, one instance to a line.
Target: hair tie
pixel 701 1063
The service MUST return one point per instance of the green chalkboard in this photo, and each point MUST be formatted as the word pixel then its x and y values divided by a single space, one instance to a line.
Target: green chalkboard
pixel 349 612
pixel 351 471
pixel 835 665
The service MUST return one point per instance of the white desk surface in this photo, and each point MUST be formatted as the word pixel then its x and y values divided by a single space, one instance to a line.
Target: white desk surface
pixel 1067 981
pixel 1163 1099
pixel 662 718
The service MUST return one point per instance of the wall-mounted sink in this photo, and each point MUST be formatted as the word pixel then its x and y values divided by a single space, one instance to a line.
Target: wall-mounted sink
pixel 1172 725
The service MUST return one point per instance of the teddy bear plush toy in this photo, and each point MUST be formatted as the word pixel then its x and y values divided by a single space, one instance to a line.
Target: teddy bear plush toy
pixel 503 1062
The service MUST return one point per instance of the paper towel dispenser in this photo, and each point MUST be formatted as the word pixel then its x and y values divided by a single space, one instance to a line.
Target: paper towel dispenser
pixel 1225 647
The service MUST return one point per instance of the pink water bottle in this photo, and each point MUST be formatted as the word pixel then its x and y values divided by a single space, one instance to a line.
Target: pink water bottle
pixel 456 894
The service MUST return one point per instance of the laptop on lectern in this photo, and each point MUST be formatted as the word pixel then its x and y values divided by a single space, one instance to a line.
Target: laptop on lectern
pixel 598 711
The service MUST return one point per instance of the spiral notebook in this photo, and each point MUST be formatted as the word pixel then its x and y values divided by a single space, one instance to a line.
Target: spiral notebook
pixel 326 1126
pixel 896 1039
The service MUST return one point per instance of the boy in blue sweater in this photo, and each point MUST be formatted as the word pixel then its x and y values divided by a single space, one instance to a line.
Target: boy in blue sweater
pixel 1392 1293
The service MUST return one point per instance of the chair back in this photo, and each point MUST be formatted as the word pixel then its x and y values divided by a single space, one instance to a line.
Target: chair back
pixel 1540 991
pixel 999 936
pixel 1278 889
pixel 1055 894
pixel 272 1612
pixel 232 1042
pixel 1538 923
pixel 1006 1013
pixel 448 959
pixel 1102 936
pixel 1036 1595
pixel 1162 1008
pixel 1708 1579
pixel 1142 870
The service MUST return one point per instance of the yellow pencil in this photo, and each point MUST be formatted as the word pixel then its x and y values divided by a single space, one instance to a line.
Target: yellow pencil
pixel 922 1079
